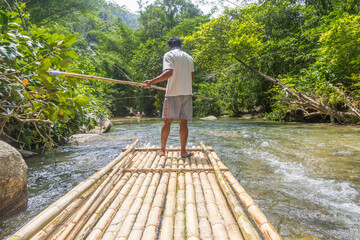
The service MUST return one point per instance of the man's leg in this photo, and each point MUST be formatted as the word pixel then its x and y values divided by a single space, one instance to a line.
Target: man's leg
pixel 184 132
pixel 165 131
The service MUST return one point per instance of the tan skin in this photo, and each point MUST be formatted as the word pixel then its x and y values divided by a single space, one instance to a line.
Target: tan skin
pixel 165 130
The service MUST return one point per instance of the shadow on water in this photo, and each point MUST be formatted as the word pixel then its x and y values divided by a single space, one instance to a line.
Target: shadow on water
pixel 305 177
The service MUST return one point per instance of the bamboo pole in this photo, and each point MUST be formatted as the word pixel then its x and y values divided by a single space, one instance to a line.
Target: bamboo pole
pixel 245 225
pixel 109 198
pixel 153 220
pixel 257 215
pixel 110 212
pixel 192 224
pixel 137 170
pixel 128 202
pixel 139 225
pixel 229 221
pixel 83 214
pixel 129 217
pixel 76 75
pixel 103 206
pixel 81 217
pixel 117 220
pixel 64 215
pixel 45 217
pixel 204 224
pixel 99 200
pixel 168 149
pixel 179 228
pixel 167 225
pixel 215 218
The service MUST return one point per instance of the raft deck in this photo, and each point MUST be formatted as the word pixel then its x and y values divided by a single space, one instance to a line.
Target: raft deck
pixel 141 195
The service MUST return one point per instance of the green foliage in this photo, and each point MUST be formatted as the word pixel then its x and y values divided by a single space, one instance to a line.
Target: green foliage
pixel 309 46
pixel 331 6
pixel 215 46
pixel 47 11
pixel 334 70
pixel 161 16
pixel 339 53
pixel 311 53
pixel 36 108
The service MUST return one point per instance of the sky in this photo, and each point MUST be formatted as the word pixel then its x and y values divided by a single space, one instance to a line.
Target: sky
pixel 133 7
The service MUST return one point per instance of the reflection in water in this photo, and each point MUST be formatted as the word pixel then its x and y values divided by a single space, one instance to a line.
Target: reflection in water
pixel 305 177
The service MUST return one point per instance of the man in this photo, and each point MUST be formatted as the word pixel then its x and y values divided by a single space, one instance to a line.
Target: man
pixel 178 69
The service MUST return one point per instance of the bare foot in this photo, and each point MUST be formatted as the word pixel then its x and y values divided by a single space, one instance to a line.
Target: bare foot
pixel 185 154
pixel 161 152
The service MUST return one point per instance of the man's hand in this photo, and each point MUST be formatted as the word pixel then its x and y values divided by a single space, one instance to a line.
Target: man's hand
pixel 147 84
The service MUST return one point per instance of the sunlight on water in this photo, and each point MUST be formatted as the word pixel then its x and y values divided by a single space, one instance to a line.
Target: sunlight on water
pixel 305 177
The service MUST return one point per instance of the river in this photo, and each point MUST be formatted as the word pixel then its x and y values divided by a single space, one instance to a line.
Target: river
pixel 305 177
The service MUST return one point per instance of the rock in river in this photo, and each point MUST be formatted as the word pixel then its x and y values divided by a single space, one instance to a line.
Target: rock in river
pixel 13 181
pixel 104 125
pixel 83 139
pixel 209 118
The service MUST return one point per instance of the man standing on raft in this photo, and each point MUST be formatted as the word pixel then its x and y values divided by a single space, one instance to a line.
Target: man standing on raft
pixel 178 69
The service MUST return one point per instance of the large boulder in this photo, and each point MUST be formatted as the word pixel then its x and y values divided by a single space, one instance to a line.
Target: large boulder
pixel 13 181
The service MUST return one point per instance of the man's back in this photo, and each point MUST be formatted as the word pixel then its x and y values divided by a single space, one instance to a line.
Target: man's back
pixel 182 64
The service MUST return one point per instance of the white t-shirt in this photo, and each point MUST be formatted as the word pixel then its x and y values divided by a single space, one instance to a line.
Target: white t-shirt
pixel 182 64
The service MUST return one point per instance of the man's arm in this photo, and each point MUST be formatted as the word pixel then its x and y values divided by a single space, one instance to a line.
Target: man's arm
pixel 166 74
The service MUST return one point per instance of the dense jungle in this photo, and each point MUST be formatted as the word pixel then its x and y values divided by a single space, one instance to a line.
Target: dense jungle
pixel 292 60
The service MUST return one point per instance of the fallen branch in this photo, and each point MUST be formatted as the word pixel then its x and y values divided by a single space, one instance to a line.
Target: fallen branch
pixel 303 100
pixel 29 120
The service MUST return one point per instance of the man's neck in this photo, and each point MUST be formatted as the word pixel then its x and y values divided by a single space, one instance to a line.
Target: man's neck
pixel 174 48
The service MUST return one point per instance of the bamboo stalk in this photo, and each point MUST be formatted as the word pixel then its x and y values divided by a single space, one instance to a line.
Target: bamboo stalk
pixel 167 225
pixel 192 224
pixel 110 212
pixel 245 225
pixel 55 73
pixel 133 170
pixel 258 216
pixel 153 220
pixel 139 225
pixel 179 228
pixel 107 201
pixel 129 218
pixel 168 149
pixel 41 220
pixel 128 202
pixel 229 221
pixel 111 186
pixel 82 215
pixel 204 225
pixel 86 227
pixel 46 231
pixel 215 218
pixel 117 221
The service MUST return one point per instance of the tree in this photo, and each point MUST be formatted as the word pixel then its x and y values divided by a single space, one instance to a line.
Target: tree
pixel 47 11
pixel 255 37
pixel 35 108
pixel 161 16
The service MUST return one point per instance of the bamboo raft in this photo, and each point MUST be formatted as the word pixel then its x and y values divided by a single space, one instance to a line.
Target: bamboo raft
pixel 141 195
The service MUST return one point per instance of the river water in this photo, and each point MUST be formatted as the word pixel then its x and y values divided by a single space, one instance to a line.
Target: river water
pixel 305 177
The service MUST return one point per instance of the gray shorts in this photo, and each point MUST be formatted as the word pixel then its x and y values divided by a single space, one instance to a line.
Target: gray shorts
pixel 176 107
